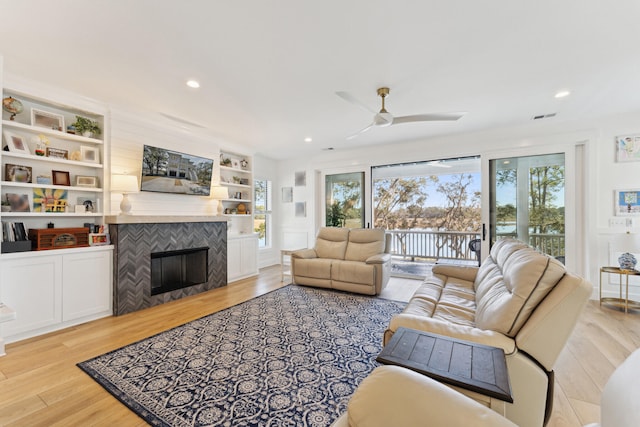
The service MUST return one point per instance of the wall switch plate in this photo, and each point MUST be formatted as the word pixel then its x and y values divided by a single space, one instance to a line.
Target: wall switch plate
pixel 617 221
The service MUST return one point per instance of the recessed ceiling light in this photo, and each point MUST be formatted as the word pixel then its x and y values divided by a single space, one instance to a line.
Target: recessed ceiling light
pixel 193 83
pixel 562 94
pixel 308 139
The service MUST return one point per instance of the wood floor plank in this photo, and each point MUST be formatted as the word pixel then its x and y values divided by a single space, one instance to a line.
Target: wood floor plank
pixel 564 414
pixel 40 384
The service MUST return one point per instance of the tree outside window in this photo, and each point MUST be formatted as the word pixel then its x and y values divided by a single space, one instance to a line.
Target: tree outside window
pixel 345 200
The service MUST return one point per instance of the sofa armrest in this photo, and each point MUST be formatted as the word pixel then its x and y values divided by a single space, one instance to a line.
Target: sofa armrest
pixel 305 254
pixel 379 259
pixel 395 396
pixel 463 272
pixel 461 332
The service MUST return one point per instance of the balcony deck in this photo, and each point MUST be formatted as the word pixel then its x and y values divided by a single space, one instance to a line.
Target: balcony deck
pixel 414 252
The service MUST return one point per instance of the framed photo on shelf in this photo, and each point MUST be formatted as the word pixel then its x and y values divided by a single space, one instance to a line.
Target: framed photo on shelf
pixel 16 143
pixel 19 202
pixel 98 239
pixel 17 173
pixel 628 148
pixel 86 181
pixel 43 179
pixel 57 153
pixel 47 119
pixel 627 202
pixel 49 200
pixel 61 178
pixel 89 204
pixel 89 154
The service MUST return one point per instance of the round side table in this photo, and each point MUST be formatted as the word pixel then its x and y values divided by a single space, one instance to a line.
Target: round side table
pixel 620 302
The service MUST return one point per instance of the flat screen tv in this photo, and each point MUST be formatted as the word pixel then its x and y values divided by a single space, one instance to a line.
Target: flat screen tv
pixel 167 171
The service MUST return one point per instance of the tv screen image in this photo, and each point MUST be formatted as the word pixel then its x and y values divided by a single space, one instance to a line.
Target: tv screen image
pixel 167 171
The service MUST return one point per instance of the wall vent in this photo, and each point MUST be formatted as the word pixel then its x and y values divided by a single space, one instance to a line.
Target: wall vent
pixel 544 116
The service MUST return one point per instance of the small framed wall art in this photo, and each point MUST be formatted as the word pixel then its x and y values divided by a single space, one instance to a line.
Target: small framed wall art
pixel 301 209
pixel 301 179
pixel 287 194
pixel 628 148
pixel 627 202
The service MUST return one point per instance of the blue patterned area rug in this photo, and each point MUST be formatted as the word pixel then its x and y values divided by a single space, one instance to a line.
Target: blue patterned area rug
pixel 292 357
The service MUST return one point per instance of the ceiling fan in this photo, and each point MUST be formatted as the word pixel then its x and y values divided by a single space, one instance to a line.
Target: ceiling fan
pixel 383 118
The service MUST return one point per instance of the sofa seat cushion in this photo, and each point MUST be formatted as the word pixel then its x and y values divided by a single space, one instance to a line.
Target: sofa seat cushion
pixel 353 272
pixel 511 283
pixel 440 296
pixel 319 268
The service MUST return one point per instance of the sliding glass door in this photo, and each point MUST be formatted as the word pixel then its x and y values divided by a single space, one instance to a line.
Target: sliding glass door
pixel 527 201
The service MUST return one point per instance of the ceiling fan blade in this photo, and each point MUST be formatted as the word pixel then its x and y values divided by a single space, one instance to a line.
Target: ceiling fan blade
pixel 353 100
pixel 435 117
pixel 360 131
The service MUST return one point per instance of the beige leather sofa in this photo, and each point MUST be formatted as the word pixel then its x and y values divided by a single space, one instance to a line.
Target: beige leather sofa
pixel 394 396
pixel 519 300
pixel 354 260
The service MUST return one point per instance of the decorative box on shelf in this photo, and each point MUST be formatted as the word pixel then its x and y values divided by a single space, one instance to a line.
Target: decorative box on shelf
pixel 58 238
pixel 17 246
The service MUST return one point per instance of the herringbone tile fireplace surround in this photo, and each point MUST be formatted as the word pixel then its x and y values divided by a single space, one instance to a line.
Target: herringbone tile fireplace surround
pixel 136 238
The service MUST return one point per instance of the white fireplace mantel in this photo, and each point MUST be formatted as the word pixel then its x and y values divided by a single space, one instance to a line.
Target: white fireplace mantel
pixel 160 219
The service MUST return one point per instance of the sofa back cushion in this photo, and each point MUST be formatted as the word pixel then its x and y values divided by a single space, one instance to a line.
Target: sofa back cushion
pixel 511 283
pixel 331 242
pixel 365 242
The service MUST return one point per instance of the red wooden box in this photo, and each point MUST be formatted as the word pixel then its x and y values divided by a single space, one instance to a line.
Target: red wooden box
pixel 58 238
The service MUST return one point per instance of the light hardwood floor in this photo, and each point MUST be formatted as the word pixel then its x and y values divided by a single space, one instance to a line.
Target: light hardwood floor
pixel 40 384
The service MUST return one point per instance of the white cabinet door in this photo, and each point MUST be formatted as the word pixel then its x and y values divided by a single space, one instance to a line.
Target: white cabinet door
pixel 234 259
pixel 250 256
pixel 242 257
pixel 33 288
pixel 87 284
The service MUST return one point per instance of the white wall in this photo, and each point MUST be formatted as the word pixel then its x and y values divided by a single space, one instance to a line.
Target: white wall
pixel 129 132
pixel 601 173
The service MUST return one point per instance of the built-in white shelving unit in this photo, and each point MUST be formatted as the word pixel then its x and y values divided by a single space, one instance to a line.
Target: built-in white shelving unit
pixel 236 173
pixel 44 166
pixel 52 178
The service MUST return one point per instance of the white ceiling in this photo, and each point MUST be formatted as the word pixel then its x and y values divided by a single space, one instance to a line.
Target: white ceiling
pixel 269 70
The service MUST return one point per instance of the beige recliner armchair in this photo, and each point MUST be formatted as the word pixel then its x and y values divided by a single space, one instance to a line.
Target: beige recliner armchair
pixel 355 260
pixel 394 396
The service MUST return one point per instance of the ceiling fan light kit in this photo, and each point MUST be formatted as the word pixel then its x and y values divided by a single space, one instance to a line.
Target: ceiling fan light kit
pixel 383 118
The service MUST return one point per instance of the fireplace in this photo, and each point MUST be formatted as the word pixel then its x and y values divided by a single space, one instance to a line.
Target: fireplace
pixel 142 243
pixel 171 270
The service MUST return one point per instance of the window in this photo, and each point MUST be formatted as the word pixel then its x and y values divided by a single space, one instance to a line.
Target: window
pixel 345 200
pixel 262 212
